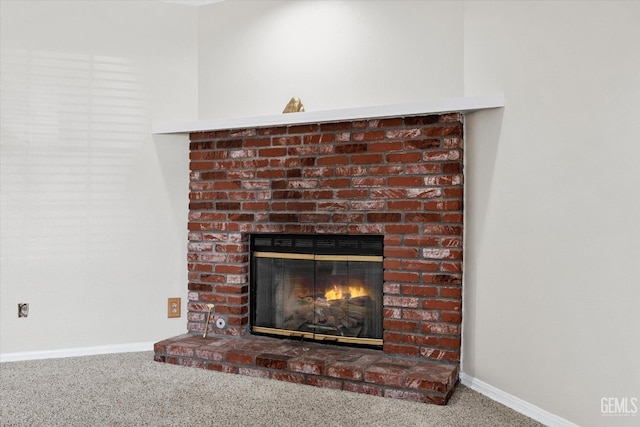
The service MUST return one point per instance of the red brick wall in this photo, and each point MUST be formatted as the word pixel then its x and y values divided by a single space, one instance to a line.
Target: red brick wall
pixel 399 177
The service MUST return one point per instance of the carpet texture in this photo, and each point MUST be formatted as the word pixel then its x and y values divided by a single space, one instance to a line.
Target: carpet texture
pixel 131 389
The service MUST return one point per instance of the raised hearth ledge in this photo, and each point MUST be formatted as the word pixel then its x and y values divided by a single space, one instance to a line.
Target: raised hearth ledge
pixel 435 106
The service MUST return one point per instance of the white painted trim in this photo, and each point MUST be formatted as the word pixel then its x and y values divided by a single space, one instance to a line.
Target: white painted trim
pixel 76 352
pixel 445 105
pixel 515 403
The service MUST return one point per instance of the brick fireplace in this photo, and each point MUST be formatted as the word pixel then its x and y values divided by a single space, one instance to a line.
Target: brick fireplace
pixel 399 177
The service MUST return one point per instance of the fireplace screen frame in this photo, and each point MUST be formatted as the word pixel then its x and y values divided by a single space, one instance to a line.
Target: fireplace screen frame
pixel 319 250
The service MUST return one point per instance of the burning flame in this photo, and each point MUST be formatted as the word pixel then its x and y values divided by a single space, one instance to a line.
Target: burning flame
pixel 345 293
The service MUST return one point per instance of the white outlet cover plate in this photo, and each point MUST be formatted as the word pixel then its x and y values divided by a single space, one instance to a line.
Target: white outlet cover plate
pixel 220 323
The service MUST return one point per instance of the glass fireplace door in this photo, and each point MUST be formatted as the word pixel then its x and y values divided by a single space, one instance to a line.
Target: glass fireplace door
pixel 283 289
pixel 347 304
pixel 322 297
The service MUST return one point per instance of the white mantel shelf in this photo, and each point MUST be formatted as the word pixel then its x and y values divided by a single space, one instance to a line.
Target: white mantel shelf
pixel 444 105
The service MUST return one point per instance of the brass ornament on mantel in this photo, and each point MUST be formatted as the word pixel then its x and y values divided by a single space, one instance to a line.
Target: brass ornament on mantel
pixel 294 106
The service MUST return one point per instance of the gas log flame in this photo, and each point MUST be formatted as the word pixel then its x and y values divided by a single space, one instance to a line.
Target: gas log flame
pixel 341 292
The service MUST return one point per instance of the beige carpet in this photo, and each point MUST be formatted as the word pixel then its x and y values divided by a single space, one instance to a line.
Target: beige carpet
pixel 132 390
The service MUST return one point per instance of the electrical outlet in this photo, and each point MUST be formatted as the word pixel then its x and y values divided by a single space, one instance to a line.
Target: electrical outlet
pixel 23 309
pixel 173 307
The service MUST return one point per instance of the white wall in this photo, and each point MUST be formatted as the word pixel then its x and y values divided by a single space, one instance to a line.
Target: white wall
pixel 256 55
pixel 93 209
pixel 551 286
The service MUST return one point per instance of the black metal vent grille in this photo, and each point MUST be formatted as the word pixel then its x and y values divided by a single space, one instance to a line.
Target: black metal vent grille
pixel 324 244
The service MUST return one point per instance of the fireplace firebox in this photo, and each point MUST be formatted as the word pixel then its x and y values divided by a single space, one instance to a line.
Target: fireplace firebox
pixel 318 287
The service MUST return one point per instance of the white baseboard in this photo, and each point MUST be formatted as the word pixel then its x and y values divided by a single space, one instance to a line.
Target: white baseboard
pixel 76 352
pixel 515 403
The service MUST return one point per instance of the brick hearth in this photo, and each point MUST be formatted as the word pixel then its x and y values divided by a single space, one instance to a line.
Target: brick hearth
pixel 399 177
pixel 357 370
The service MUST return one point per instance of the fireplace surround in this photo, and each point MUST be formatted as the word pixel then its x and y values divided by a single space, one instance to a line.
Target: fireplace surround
pixel 399 177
